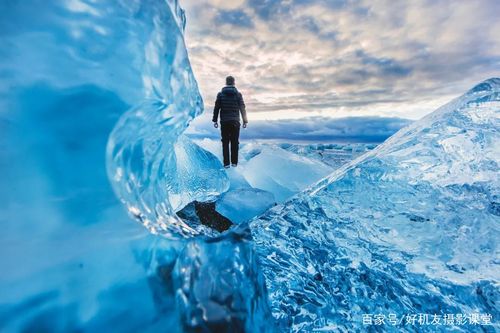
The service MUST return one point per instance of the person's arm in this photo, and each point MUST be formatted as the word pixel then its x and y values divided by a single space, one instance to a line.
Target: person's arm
pixel 216 110
pixel 243 110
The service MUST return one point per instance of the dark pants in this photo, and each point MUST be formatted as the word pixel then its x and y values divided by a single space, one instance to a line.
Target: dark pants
pixel 230 131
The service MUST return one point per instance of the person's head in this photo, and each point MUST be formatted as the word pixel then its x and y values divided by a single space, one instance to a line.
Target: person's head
pixel 230 81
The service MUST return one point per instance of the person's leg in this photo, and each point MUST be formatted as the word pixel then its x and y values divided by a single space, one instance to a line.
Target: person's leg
pixel 235 136
pixel 225 130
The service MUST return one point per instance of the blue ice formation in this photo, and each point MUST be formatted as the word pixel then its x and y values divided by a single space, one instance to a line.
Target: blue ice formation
pixel 243 204
pixel 219 287
pixel 87 64
pixel 408 228
pixel 282 173
pixel 154 169
pixel 72 73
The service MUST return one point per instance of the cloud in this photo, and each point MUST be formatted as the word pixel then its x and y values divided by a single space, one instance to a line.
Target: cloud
pixel 349 129
pixel 269 9
pixel 385 66
pixel 235 17
pixel 356 58
pixel 233 4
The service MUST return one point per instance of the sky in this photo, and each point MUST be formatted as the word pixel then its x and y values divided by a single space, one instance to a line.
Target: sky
pixel 321 69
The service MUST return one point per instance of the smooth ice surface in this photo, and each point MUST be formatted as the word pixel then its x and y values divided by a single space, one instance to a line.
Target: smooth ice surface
pixel 411 227
pixel 242 204
pixel 282 173
pixel 236 179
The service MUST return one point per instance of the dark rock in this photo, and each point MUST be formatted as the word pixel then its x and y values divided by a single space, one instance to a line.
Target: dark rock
pixel 205 213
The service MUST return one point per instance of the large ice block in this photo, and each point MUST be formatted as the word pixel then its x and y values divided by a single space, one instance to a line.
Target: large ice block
pixel 282 173
pixel 410 227
pixel 243 204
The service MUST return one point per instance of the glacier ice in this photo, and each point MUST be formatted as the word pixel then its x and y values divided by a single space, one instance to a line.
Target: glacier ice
pixel 219 287
pixel 410 227
pixel 90 64
pixel 154 169
pixel 243 204
pixel 332 154
pixel 282 173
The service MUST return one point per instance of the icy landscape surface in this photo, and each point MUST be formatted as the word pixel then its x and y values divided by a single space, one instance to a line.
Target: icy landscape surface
pixel 94 100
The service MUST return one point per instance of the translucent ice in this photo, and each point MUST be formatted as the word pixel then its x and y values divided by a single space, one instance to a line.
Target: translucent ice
pixel 242 204
pixel 236 179
pixel 219 287
pixel 333 154
pixel 154 169
pixel 411 227
pixel 282 173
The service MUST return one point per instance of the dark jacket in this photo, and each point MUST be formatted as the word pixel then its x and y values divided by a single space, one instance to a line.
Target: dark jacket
pixel 229 103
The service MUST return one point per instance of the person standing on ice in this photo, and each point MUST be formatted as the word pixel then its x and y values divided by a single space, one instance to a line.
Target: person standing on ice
pixel 229 104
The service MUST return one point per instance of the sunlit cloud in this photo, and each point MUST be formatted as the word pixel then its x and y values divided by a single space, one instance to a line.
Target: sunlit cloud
pixel 326 58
